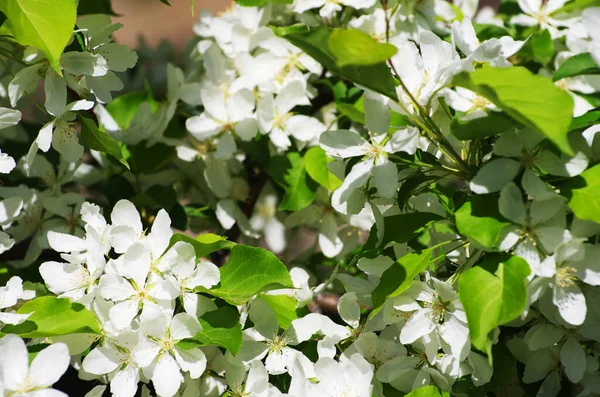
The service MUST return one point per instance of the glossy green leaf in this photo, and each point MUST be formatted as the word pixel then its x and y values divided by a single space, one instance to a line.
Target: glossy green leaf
pixel 577 65
pixel 401 228
pixel 576 5
pixel 290 172
pixel 545 107
pixel 484 127
pixel 44 24
pixel 542 47
pixel 316 161
pixel 493 294
pixel 399 277
pixel 353 47
pixel 284 307
pixel 480 220
pixel 93 138
pixel 52 316
pixel 352 112
pixel 249 271
pixel 314 41
pixel 222 328
pixel 204 244
pixel 585 120
pixel 425 391
pixel 124 108
pixel 584 192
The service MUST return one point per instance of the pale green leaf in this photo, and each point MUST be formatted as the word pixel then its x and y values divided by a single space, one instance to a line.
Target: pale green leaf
pixel 221 328
pixel 316 161
pixel 353 47
pixel 480 220
pixel 44 24
pixel 249 271
pixel 284 307
pixel 204 244
pixel 585 194
pixel 580 64
pixel 532 100
pixel 52 316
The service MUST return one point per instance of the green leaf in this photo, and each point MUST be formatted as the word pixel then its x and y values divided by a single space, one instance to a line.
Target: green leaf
pixel 577 65
pixel 484 127
pixel 399 277
pixel 284 307
pixel 165 2
pixel 148 160
pixel 585 120
pixel 353 47
pixel 249 271
pixel 222 328
pixel 52 316
pixel 532 100
pixel 44 24
pixel 542 47
pixel 260 3
pixel 576 5
pixel 204 244
pixel 95 7
pixel 93 138
pixel 401 228
pixel 410 185
pixel 493 294
pixel 480 220
pixel 352 112
pixel 584 191
pixel 425 391
pixel 124 108
pixel 314 42
pixel 315 161
pixel 290 172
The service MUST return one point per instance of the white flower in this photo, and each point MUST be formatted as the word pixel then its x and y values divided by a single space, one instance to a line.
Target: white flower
pixel 439 310
pixel 225 113
pixel 591 21
pixel 349 197
pixel 10 294
pixel 474 106
pixel 495 51
pixel 329 8
pixel 35 380
pixel 276 119
pixel 349 377
pixel 571 261
pixel 537 12
pixel 264 219
pixel 425 73
pixel 114 357
pixel 159 356
pixel 132 287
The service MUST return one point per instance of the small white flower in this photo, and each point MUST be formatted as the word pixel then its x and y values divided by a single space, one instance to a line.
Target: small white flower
pixel 35 380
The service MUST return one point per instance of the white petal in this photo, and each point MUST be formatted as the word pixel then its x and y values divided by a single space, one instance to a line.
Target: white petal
pixel 192 361
pixel 63 242
pixel 101 360
pixel 9 117
pixel 125 213
pixel 344 143
pixel 418 325
pixel 349 309
pixel 167 376
pixel 160 234
pixel 571 303
pixel 385 177
pixel 49 365
pixel 15 362
pixel 184 326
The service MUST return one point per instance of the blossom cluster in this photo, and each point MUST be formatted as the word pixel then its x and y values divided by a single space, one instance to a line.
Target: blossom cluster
pixel 430 167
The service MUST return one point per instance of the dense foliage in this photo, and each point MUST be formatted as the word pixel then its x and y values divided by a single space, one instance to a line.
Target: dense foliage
pixel 428 172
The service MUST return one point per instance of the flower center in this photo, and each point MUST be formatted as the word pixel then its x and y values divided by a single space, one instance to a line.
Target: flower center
pixel 565 276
